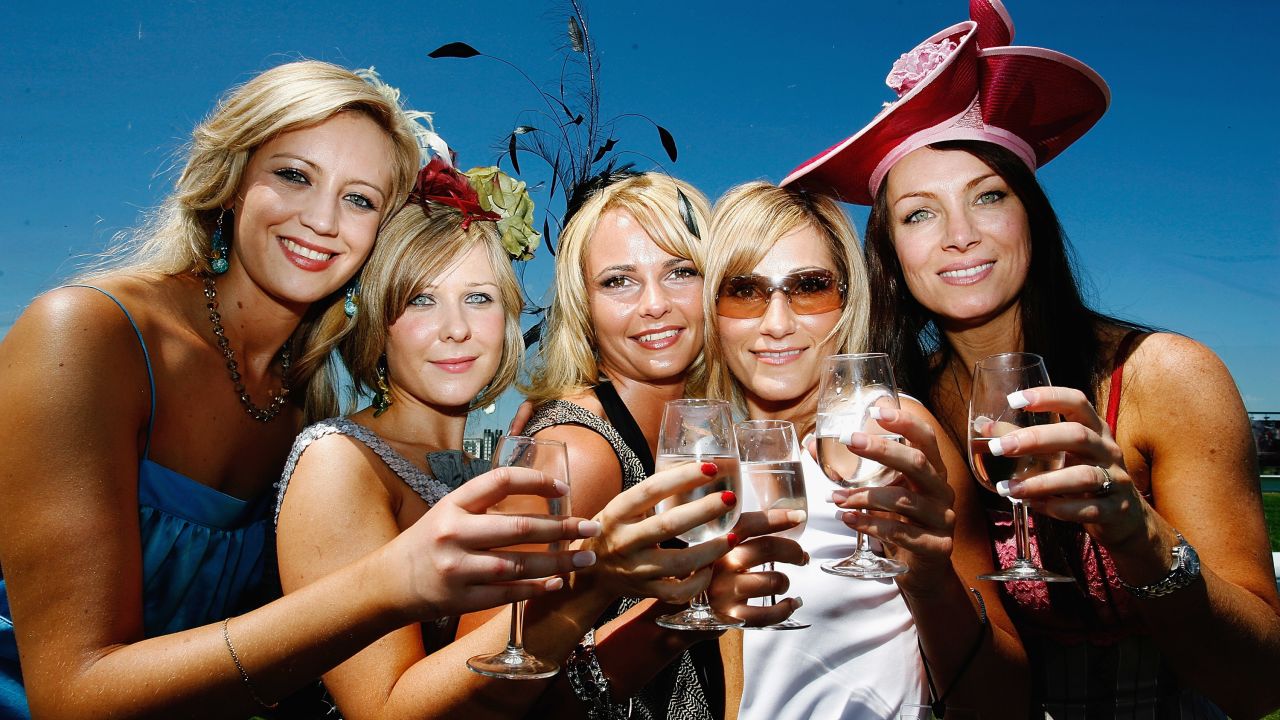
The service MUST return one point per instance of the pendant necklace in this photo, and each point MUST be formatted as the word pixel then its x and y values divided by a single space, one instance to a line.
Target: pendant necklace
pixel 278 400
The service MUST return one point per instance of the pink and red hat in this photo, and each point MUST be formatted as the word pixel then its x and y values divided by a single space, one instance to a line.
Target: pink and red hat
pixel 965 83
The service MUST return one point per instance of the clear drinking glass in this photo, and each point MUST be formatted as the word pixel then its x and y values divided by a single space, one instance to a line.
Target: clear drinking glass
pixel 770 456
pixel 550 457
pixel 700 431
pixel 852 385
pixel 990 416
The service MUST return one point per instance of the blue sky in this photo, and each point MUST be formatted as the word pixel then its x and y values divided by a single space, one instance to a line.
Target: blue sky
pixel 1171 200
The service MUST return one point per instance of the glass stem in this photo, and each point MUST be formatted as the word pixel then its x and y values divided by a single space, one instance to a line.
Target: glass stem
pixel 1020 531
pixel 773 597
pixel 862 541
pixel 516 641
pixel 701 602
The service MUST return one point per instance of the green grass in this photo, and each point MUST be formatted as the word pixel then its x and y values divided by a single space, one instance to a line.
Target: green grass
pixel 1271 508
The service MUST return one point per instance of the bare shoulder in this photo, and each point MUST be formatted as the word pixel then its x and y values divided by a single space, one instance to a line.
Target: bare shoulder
pixel 336 467
pixel 596 474
pixel 1171 379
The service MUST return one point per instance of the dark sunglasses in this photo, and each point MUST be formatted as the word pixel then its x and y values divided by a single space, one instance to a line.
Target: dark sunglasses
pixel 810 292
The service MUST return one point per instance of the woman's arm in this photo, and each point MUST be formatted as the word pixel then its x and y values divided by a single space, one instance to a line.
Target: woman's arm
pixel 1181 416
pixel 932 521
pixel 74 386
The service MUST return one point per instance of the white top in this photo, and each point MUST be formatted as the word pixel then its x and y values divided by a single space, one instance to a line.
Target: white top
pixel 859 658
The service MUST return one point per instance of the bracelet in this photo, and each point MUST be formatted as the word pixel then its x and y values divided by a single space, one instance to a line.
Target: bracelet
pixel 939 705
pixel 589 682
pixel 226 636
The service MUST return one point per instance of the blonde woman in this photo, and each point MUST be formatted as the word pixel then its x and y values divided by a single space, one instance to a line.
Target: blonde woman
pixel 437 335
pixel 624 335
pixel 785 288
pixel 137 481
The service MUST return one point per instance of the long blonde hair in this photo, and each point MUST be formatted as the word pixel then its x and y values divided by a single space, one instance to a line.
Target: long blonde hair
pixel 568 348
pixel 417 246
pixel 745 225
pixel 176 237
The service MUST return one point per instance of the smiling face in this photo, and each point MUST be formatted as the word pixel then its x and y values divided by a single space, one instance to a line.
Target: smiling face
pixel 960 234
pixel 447 345
pixel 308 207
pixel 776 357
pixel 645 304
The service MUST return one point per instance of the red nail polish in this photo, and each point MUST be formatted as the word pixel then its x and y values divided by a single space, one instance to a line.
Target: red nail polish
pixel 729 498
pixel 709 469
pixel 733 539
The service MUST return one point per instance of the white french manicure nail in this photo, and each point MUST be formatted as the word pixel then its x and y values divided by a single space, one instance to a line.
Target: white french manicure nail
pixel 799 602
pixel 874 412
pixel 840 514
pixel 845 436
pixel 1002 487
pixel 1017 400
pixel 807 439
pixel 584 558
pixel 996 448
pixel 797 516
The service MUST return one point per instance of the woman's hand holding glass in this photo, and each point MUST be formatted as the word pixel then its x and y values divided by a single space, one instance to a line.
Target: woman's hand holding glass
pixel 629 561
pixel 701 431
pixel 449 563
pixel 760 540
pixel 914 516
pixel 1106 503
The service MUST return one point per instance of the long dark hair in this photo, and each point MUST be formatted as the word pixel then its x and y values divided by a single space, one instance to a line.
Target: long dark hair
pixel 1054 322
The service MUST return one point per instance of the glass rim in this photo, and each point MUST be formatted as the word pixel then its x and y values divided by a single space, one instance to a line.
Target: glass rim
pixel 766 423
pixel 857 356
pixel 697 402
pixel 1029 360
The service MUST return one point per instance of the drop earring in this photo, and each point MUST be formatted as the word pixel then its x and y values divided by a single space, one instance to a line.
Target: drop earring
pixel 218 262
pixel 351 305
pixel 382 398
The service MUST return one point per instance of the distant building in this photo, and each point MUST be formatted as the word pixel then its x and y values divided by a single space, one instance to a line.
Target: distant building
pixel 482 447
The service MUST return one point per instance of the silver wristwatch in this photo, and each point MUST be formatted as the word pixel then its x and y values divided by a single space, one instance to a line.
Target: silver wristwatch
pixel 1185 570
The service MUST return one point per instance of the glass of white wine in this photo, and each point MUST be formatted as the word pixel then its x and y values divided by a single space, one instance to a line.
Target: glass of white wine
pixel 853 387
pixel 700 431
pixel 990 417
pixel 552 458
pixel 770 456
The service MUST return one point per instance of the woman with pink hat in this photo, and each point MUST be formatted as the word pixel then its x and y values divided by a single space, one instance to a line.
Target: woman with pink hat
pixel 1155 513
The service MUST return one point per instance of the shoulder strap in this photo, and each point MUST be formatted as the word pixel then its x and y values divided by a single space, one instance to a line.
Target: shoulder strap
pixel 1117 375
pixel 146 357
pixel 626 425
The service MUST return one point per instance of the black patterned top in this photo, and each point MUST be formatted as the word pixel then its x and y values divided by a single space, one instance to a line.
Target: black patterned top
pixel 679 691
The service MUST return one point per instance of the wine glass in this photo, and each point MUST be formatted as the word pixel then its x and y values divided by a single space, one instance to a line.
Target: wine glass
pixel 852 388
pixel 551 457
pixel 990 417
pixel 700 431
pixel 770 458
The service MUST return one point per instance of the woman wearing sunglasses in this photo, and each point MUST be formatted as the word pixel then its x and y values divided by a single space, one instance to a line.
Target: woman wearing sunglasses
pixel 625 335
pixel 786 288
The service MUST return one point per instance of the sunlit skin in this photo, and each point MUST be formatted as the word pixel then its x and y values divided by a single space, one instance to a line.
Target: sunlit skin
pixel 308 208
pixel 777 357
pixel 447 345
pixel 646 304
pixel 961 236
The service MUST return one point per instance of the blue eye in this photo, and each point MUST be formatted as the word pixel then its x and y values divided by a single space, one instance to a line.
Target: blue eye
pixel 479 299
pixel 918 216
pixel 361 201
pixel 292 175
pixel 422 300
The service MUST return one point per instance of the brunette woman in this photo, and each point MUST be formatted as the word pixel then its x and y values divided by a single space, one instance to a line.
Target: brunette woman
pixel 1156 513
